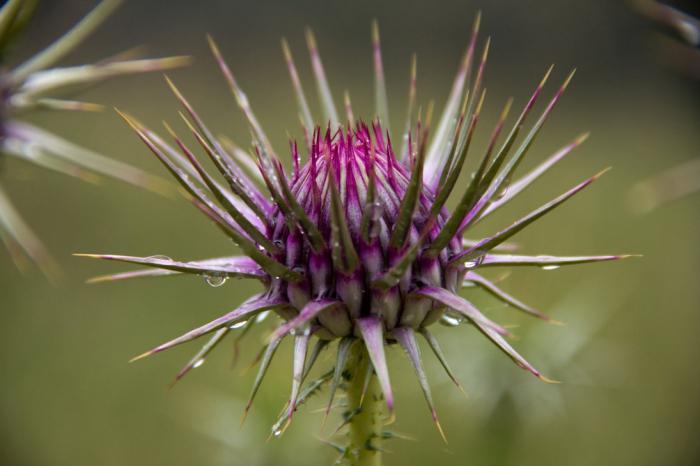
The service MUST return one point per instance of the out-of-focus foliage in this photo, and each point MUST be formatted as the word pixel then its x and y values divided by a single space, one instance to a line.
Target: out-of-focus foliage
pixel 679 47
pixel 31 85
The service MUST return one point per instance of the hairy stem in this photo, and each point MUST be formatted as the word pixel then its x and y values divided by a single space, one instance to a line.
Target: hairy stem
pixel 366 412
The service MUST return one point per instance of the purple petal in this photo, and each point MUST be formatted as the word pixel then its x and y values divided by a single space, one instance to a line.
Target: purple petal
pixel 437 150
pixel 380 98
pixel 198 358
pixel 488 244
pixel 247 309
pixel 310 311
pixel 460 305
pixel 407 339
pixel 298 90
pixel 301 345
pixel 373 335
pixel 344 254
pixel 435 346
pixel 236 266
pixel 511 260
pixel 406 149
pixel 467 309
pixel 245 218
pixel 491 287
pixel 510 352
pixel 502 178
pixel 324 91
pixel 264 365
pixel 340 363
pixel 240 96
pixel 518 186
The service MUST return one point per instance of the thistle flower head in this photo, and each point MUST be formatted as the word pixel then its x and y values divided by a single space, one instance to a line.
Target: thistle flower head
pixel 27 87
pixel 355 243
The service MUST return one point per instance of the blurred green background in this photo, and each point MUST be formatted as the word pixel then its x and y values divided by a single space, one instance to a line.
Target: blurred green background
pixel 627 355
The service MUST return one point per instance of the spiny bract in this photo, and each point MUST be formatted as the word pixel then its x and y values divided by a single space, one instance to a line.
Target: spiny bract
pixel 356 244
pixel 25 87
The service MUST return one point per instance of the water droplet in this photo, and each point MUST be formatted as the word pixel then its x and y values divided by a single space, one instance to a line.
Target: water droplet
pixel 450 321
pixel 262 316
pixel 277 433
pixel 550 267
pixel 474 263
pixel 238 325
pixel 198 363
pixel 215 281
pixel 375 211
pixel 503 190
pixel 500 194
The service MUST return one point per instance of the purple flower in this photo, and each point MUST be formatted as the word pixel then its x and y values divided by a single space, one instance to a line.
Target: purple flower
pixel 355 242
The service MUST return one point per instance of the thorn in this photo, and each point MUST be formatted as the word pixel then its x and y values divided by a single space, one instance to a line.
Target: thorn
pixel 461 389
pixel 547 379
pixel 477 21
pixel 91 256
pixel 129 120
pixel 140 356
pixel 245 416
pixel 568 79
pixel 285 50
pixel 310 39
pixel 213 46
pixel 375 32
pixel 173 88
pixel 546 76
pixel 582 138
pixel 630 256
pixel 335 446
pixel 98 279
pixel 600 173
pixel 477 111
pixel 169 129
pixel 439 428
pixel 89 107
pixel 387 434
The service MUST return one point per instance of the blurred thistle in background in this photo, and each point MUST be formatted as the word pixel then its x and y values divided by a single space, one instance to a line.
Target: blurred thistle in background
pixel 26 87
pixel 355 244
pixel 679 47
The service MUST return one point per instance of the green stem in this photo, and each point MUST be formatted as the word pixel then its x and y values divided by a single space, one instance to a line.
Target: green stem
pixel 365 436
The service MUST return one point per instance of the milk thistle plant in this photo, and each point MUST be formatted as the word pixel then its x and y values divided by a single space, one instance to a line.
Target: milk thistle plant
pixel 355 245
pixel 26 87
